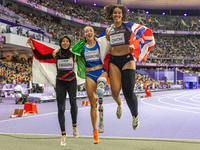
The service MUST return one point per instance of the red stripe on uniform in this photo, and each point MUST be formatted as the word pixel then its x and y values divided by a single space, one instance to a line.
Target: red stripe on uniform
pixel 65 75
pixel 70 79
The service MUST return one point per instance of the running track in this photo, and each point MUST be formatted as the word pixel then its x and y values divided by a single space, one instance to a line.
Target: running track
pixel 166 115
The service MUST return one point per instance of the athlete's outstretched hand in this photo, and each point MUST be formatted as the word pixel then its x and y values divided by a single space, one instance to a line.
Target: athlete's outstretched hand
pixel 30 43
pixel 54 52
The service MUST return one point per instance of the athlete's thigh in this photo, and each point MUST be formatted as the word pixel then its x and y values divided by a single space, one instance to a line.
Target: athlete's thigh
pixel 115 78
pixel 104 74
pixel 91 88
pixel 129 65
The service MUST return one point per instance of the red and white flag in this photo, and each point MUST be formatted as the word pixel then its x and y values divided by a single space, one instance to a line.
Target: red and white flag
pixel 44 71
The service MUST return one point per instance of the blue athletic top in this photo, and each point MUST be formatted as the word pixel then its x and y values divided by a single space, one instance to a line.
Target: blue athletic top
pixel 119 36
pixel 92 56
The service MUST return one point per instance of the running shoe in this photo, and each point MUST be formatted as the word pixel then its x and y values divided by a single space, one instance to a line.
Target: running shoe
pixel 119 111
pixel 75 132
pixel 96 137
pixel 135 123
pixel 63 140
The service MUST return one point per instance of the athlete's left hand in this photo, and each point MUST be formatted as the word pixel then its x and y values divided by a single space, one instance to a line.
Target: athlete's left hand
pixel 131 48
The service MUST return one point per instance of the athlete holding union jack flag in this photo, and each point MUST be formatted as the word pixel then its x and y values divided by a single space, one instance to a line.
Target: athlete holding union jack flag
pixel 126 39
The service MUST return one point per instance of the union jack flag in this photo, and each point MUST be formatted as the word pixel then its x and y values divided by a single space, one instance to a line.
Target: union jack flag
pixel 142 40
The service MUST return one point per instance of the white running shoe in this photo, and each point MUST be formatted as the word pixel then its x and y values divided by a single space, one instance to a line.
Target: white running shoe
pixel 63 140
pixel 135 123
pixel 75 132
pixel 119 111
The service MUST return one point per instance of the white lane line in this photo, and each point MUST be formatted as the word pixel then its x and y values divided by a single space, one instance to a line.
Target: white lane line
pixel 177 109
pixel 159 99
pixel 192 98
pixel 176 99
pixel 38 115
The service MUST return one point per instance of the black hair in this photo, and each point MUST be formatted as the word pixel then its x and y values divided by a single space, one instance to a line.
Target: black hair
pixel 108 11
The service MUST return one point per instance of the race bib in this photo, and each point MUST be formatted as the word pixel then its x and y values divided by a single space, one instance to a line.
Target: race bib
pixel 65 64
pixel 91 56
pixel 117 39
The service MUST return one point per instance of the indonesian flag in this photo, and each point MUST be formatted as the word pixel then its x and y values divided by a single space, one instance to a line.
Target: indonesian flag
pixel 44 71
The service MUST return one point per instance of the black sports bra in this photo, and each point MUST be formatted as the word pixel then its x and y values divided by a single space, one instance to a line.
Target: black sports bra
pixel 119 36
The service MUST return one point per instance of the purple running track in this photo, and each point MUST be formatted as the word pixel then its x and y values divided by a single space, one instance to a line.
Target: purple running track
pixel 165 115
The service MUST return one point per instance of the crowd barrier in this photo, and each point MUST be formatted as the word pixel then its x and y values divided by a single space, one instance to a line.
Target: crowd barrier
pixel 50 95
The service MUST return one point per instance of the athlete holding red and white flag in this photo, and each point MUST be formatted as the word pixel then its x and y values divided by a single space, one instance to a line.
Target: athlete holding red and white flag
pixel 44 64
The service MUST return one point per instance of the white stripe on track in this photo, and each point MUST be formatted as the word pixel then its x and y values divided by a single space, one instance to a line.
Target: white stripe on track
pixel 177 109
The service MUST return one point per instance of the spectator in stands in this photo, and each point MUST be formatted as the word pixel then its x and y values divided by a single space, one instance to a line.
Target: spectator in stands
pixel 21 30
pixel 27 33
pixel 30 85
pixel 18 90
pixel 18 30
pixel 39 88
pixel 8 28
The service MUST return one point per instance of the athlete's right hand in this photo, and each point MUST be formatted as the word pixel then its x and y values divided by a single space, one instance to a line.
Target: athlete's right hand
pixel 54 52
pixel 30 43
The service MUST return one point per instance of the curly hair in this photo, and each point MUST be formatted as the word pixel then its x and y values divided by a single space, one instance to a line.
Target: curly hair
pixel 108 11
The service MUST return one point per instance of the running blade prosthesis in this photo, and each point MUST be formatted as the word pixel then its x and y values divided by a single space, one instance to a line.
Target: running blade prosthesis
pixel 101 126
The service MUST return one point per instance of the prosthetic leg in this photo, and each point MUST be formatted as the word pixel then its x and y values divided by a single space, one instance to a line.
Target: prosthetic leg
pixel 100 91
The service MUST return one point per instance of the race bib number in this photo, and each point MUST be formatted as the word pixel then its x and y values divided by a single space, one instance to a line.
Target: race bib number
pixel 117 39
pixel 65 64
pixel 92 56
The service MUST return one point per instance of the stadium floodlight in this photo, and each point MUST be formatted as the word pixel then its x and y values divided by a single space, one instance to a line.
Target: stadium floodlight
pixel 163 13
pixel 128 10
pixel 75 1
pixel 185 14
pixel 95 4
pixel 147 12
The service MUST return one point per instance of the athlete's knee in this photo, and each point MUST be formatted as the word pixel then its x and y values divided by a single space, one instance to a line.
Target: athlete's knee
pixel 101 85
pixel 115 94
pixel 93 104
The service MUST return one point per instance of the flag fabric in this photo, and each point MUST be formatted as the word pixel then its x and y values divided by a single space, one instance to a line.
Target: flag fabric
pixel 77 50
pixel 44 71
pixel 142 40
pixel 104 52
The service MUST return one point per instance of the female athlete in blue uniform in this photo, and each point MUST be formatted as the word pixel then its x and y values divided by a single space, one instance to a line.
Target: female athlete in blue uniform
pixel 96 75
pixel 89 60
